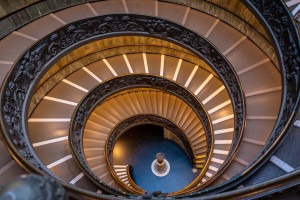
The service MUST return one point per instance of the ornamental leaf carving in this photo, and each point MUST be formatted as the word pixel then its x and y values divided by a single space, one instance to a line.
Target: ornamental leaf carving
pixel 35 61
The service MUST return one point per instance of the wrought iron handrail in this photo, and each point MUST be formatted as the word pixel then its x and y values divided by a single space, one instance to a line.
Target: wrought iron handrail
pixel 278 22
pixel 69 68
pixel 290 60
pixel 112 87
pixel 135 120
pixel 267 188
pixel 20 83
pixel 240 19
pixel 54 6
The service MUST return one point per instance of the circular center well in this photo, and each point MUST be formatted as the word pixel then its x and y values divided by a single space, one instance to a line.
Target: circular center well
pixel 138 147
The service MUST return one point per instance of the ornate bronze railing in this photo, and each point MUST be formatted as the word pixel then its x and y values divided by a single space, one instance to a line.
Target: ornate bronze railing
pixel 69 65
pixel 22 79
pixel 118 84
pixel 278 22
pixel 136 120
pixel 235 14
pixel 265 190
pixel 272 14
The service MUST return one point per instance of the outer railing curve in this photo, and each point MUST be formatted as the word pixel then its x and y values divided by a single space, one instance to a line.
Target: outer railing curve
pixel 20 83
pixel 105 90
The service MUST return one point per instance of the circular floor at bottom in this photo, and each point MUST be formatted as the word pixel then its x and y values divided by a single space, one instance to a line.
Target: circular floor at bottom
pixel 138 148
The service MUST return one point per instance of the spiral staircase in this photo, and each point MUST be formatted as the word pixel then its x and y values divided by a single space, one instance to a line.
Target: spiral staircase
pixel 222 76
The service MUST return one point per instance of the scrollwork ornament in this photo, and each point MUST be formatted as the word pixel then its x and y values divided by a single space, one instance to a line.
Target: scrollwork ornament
pixel 108 88
pixel 287 38
pixel 277 19
pixel 285 35
pixel 19 85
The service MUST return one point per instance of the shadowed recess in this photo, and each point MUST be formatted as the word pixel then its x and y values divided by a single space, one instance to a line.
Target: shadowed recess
pixel 138 147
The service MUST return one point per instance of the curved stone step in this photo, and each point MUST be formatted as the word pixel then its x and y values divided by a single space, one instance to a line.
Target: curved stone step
pixel 233 48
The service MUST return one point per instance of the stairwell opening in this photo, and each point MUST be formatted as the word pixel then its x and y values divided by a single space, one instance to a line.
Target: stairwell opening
pixel 138 147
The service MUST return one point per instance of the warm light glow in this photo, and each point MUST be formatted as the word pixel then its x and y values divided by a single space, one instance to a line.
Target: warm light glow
pixel 117 153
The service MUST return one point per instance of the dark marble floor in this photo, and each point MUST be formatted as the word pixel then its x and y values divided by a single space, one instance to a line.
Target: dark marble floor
pixel 138 148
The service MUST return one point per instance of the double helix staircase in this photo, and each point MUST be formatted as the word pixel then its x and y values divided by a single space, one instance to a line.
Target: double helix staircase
pixel 62 88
